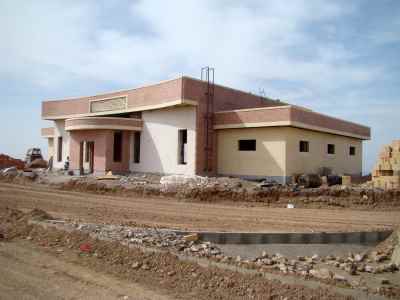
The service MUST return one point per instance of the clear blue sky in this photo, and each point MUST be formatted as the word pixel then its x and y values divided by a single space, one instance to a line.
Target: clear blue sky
pixel 336 57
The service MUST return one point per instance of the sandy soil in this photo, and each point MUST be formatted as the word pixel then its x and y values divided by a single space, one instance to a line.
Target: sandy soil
pixel 188 215
pixel 28 272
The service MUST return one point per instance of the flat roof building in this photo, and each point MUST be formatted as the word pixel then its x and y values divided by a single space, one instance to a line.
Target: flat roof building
pixel 187 126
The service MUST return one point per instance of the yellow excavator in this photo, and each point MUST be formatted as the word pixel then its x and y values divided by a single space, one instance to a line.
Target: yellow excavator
pixel 34 159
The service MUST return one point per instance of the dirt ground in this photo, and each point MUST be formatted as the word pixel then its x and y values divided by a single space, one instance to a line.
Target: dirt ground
pixel 28 272
pixel 49 263
pixel 172 213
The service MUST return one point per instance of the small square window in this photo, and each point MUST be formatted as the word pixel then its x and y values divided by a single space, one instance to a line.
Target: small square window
pixel 304 146
pixel 247 145
pixel 331 149
pixel 352 150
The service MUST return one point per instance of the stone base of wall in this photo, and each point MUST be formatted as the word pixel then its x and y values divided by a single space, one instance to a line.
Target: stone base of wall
pixel 278 179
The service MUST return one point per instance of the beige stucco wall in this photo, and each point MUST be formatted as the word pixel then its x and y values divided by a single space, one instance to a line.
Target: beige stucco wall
pixel 277 152
pixel 267 160
pixel 159 141
pixel 309 162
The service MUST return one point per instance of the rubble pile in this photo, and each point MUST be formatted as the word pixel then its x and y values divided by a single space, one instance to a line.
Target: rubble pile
pixel 7 161
pixel 331 268
pixel 150 237
pixel 233 189
pixel 386 173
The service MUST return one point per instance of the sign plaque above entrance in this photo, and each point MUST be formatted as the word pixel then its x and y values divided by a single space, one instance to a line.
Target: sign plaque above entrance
pixel 111 104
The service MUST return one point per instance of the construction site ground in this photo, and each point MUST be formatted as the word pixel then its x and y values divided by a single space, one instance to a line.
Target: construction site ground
pixel 29 252
pixel 174 213
pixel 43 262
pixel 30 272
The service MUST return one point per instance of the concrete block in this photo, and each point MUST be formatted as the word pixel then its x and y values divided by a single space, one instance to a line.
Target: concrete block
pixel 346 180
pixel 387 182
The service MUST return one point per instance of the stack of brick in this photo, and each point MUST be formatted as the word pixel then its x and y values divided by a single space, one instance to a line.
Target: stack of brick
pixel 386 173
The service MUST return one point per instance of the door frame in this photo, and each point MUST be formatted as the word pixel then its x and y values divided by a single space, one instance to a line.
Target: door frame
pixel 90 146
pixel 81 169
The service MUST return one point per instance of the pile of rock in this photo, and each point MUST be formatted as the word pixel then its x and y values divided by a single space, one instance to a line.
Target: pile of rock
pixel 329 268
pixel 301 265
pixel 190 180
pixel 333 269
pixel 152 237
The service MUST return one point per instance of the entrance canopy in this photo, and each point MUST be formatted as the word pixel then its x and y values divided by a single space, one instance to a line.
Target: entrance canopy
pixel 114 123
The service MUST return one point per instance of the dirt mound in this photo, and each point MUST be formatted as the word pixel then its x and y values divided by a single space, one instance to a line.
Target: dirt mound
pixel 9 215
pixel 38 215
pixel 8 161
pixel 13 222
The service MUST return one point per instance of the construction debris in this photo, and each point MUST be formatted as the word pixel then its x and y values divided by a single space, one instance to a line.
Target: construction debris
pixel 183 180
pixel 12 171
pixel 386 173
pixel 309 180
pixel 109 176
pixel 346 180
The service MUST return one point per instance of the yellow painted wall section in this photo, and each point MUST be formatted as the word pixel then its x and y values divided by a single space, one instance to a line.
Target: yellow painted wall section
pixel 267 160
pixel 309 162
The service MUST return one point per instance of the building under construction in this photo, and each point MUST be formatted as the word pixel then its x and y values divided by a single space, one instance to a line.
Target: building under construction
pixel 190 126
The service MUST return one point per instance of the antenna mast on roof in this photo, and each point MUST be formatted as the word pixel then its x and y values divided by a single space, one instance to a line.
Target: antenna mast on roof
pixel 207 75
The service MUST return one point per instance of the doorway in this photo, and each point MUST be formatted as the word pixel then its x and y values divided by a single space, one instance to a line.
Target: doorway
pixel 86 157
pixel 90 153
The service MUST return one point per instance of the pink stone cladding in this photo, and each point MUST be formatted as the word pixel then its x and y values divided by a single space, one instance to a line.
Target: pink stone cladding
pixel 150 95
pixel 49 131
pixel 316 119
pixel 254 116
pixel 291 113
pixel 103 150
